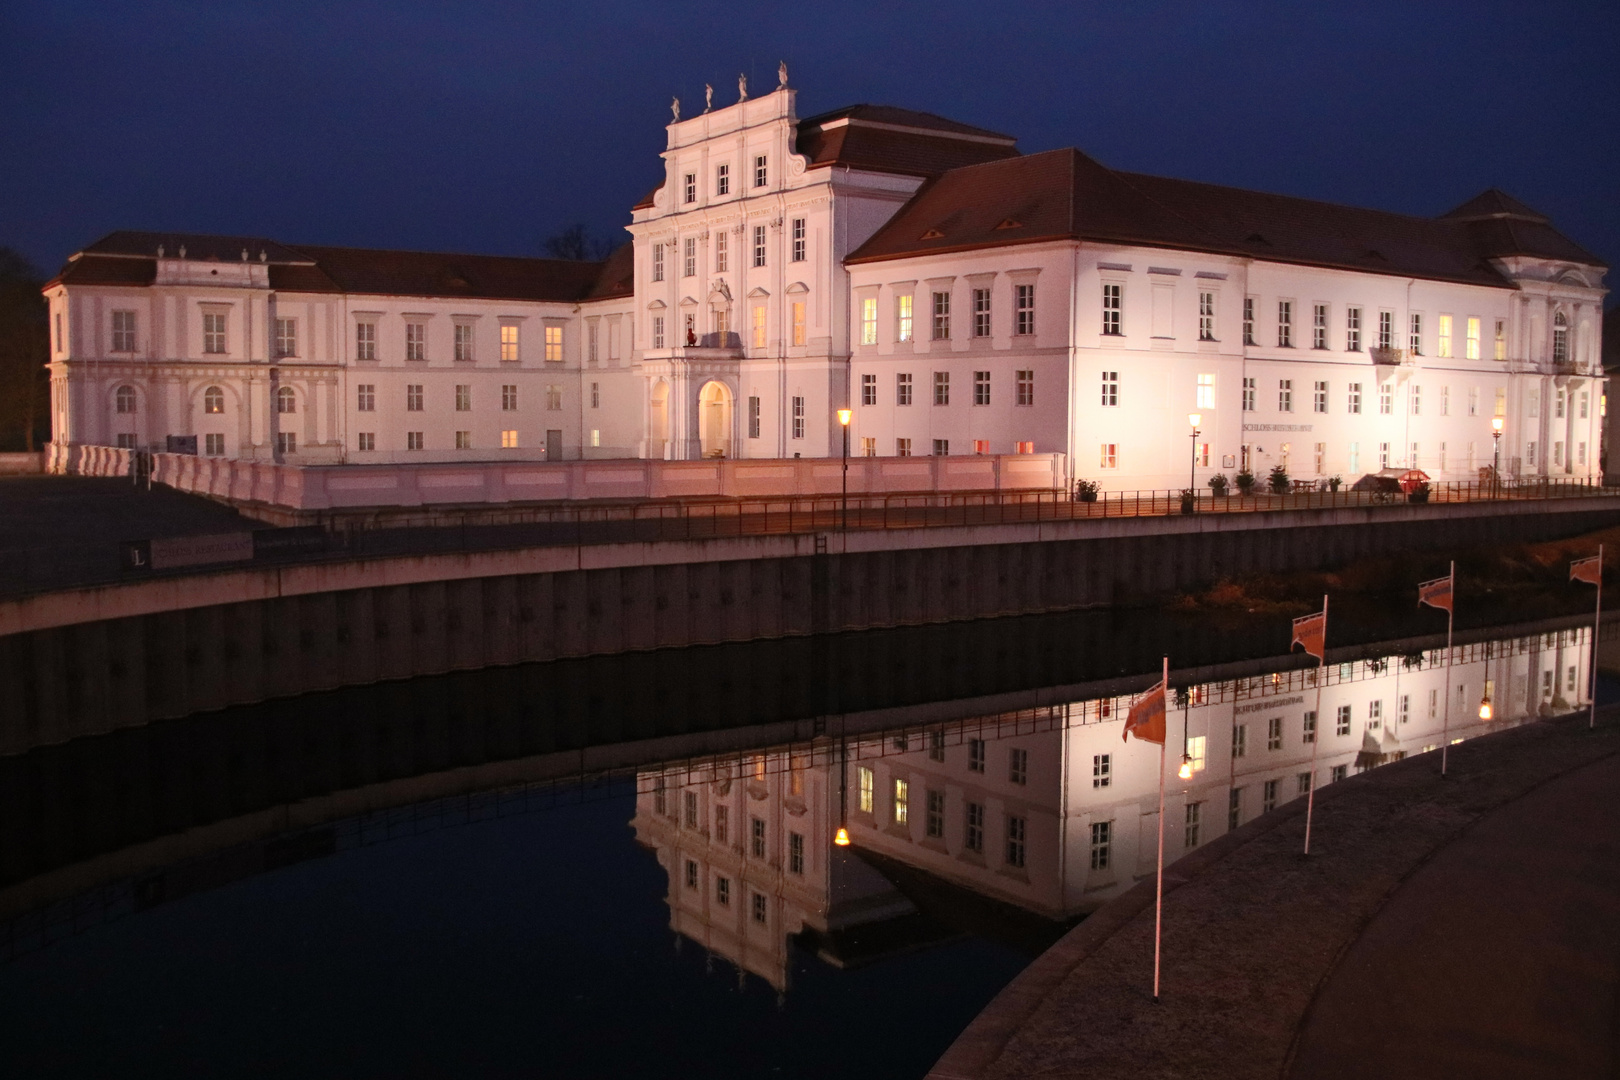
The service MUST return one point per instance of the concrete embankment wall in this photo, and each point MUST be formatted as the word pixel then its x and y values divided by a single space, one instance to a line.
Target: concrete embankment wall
pixel 90 661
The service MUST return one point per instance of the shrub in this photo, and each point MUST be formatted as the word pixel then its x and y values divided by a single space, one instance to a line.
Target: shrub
pixel 1245 482
pixel 1188 500
pixel 1334 482
pixel 1086 490
pixel 1217 484
pixel 1278 480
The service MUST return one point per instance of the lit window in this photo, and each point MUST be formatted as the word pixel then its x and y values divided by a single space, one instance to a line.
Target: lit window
pixel 868 446
pixel 1110 455
pixel 869 321
pixel 903 317
pixel 1501 339
pixel 1206 391
pixel 1443 344
pixel 902 794
pixel 213 332
pixel 1472 342
pixel 365 341
pixel 798 322
pixel 213 400
pixel 759 326
pixel 509 343
pixel 123 331
pixel 509 440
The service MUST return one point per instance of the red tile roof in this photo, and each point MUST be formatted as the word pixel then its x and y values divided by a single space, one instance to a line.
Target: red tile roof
pixel 1063 194
pixel 882 138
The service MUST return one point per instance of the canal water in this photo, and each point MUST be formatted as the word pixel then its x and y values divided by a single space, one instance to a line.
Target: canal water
pixel 494 874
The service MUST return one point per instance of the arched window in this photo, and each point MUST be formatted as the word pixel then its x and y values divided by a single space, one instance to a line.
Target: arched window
pixel 125 399
pixel 1560 339
pixel 213 400
pixel 286 402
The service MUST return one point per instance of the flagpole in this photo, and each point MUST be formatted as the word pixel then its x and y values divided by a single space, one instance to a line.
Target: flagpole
pixel 1316 735
pixel 1445 724
pixel 1158 898
pixel 1597 624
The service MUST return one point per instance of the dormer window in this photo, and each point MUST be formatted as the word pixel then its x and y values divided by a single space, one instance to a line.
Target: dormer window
pixel 722 180
pixel 761 172
pixel 691 187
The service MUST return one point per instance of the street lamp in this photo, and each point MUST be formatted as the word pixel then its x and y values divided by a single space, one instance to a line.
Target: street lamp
pixel 843 512
pixel 1496 452
pixel 1186 770
pixel 1194 419
pixel 1485 708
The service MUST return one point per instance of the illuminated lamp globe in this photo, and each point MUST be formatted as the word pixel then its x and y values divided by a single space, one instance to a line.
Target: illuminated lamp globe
pixel 1185 772
pixel 843 417
pixel 1496 425
pixel 841 837
pixel 1485 708
pixel 1195 419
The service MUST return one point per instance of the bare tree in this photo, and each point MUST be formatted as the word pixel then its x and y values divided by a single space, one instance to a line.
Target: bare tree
pixel 577 243
pixel 24 351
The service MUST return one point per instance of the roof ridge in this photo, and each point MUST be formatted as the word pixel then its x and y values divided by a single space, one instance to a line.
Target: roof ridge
pixel 1291 198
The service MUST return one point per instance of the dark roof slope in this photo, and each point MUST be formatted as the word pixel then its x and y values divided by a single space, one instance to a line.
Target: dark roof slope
pixel 1502 225
pixel 618 275
pixel 1064 194
pixel 130 258
pixel 882 138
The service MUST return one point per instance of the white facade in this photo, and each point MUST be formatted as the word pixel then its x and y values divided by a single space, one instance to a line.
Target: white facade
pixel 748 312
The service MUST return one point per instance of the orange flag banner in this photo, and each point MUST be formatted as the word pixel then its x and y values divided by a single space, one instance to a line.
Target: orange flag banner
pixel 1146 719
pixel 1436 593
pixel 1311 632
pixel 1587 570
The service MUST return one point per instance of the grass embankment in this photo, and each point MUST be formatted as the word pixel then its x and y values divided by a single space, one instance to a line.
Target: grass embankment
pixel 1378 597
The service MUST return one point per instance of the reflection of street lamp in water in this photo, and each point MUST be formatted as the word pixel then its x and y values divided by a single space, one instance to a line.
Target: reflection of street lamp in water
pixel 1496 450
pixel 1485 708
pixel 1186 770
pixel 843 513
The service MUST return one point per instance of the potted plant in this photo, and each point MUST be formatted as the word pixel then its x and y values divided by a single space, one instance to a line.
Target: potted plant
pixel 1334 482
pixel 1419 494
pixel 1217 484
pixel 1086 490
pixel 1278 480
pixel 1245 482
pixel 1187 500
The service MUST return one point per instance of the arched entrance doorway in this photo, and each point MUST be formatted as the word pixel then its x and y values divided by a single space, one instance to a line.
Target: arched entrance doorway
pixel 658 422
pixel 714 420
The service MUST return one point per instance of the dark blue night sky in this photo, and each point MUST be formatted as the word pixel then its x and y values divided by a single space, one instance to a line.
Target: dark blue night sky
pixel 487 126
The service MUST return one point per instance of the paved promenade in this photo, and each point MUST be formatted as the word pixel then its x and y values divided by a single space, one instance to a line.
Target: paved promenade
pixel 1464 927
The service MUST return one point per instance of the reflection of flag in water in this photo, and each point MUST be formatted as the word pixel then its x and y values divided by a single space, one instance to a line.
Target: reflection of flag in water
pixel 1436 593
pixel 1311 632
pixel 1146 720
pixel 1587 570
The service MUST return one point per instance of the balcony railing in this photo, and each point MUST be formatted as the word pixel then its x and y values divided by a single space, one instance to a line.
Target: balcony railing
pixel 1390 357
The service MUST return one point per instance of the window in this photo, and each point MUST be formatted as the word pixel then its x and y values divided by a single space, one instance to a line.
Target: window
pixel 1355 457
pixel 1532 403
pixel 798 321
pixel 798 417
pixel 1274 733
pixel 942 447
pixel 689 257
pixel 365 341
pixel 981 312
pixel 658 262
pixel 1285 324
pixel 1501 339
pixel 759 326
pixel 1319 321
pixel 214 445
pixel 1268 799
pixel 1341 725
pixel 1443 345
pixel 366 398
pixel 1240 740
pixel 658 332
pixel 902 797
pixel 761 175
pixel 902 448
pixel 509 439
pixel 1112 300
pixel 1319 397
pixel 1248 395
pixel 463 399
pixel 869 321
pixel 1017 829
pixel 1386 330
pixel 795 853
pixel 721 260
pixel 286 335
pixel 691 187
pixel 463 440
pixel 1309 728
pixel 753 417
pixel 1386 399
pixel 936 746
pixel 981 446
pixel 1025 383
pixel 1110 389
pixel 1234 808
pixel 1109 458
pixel 1018 766
pixel 722 891
pixel 509 397
pixel 413 397
pixel 1285 395
pixel 1415 395
pixel 509 343
pixel 61 339
pixel 973 838
pixel 1471 344
pixel 1194 811
pixel 942 316
pixel 981 388
pixel 1025 313
pixel 554 397
pixel 1195 750
pixel 286 401
pixel 1352 329
pixel 1585 404
pixel 863 787
pixel 1302 783
pixel 760 908
pixel 213 332
pixel 1560 352
pixel 942 388
pixel 902 317
pixel 976 755
pixel 1100 842
pixel 902 388
pixel 1206 316
pixel 124 399
pixel 1101 770
pixel 287 442
pixel 798 239
pixel 756 837
pixel 868 389
pixel 1383 455
pixel 464 342
pixel 213 400
pixel 936 814
pixel 1338 773
pixel 1414 339
pixel 759 245
pixel 554 344
pixel 1248 320
pixel 415 341
pixel 413 440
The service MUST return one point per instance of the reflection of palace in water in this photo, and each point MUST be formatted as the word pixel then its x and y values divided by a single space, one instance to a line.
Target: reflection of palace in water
pixel 1047 810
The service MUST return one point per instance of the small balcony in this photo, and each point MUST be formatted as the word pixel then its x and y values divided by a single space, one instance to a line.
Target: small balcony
pixel 1392 358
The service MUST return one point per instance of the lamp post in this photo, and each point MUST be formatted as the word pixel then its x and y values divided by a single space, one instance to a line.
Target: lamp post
pixel 1194 419
pixel 1186 770
pixel 1496 454
pixel 843 511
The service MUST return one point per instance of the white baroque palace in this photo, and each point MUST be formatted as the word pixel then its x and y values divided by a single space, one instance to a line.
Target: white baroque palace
pixel 958 296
